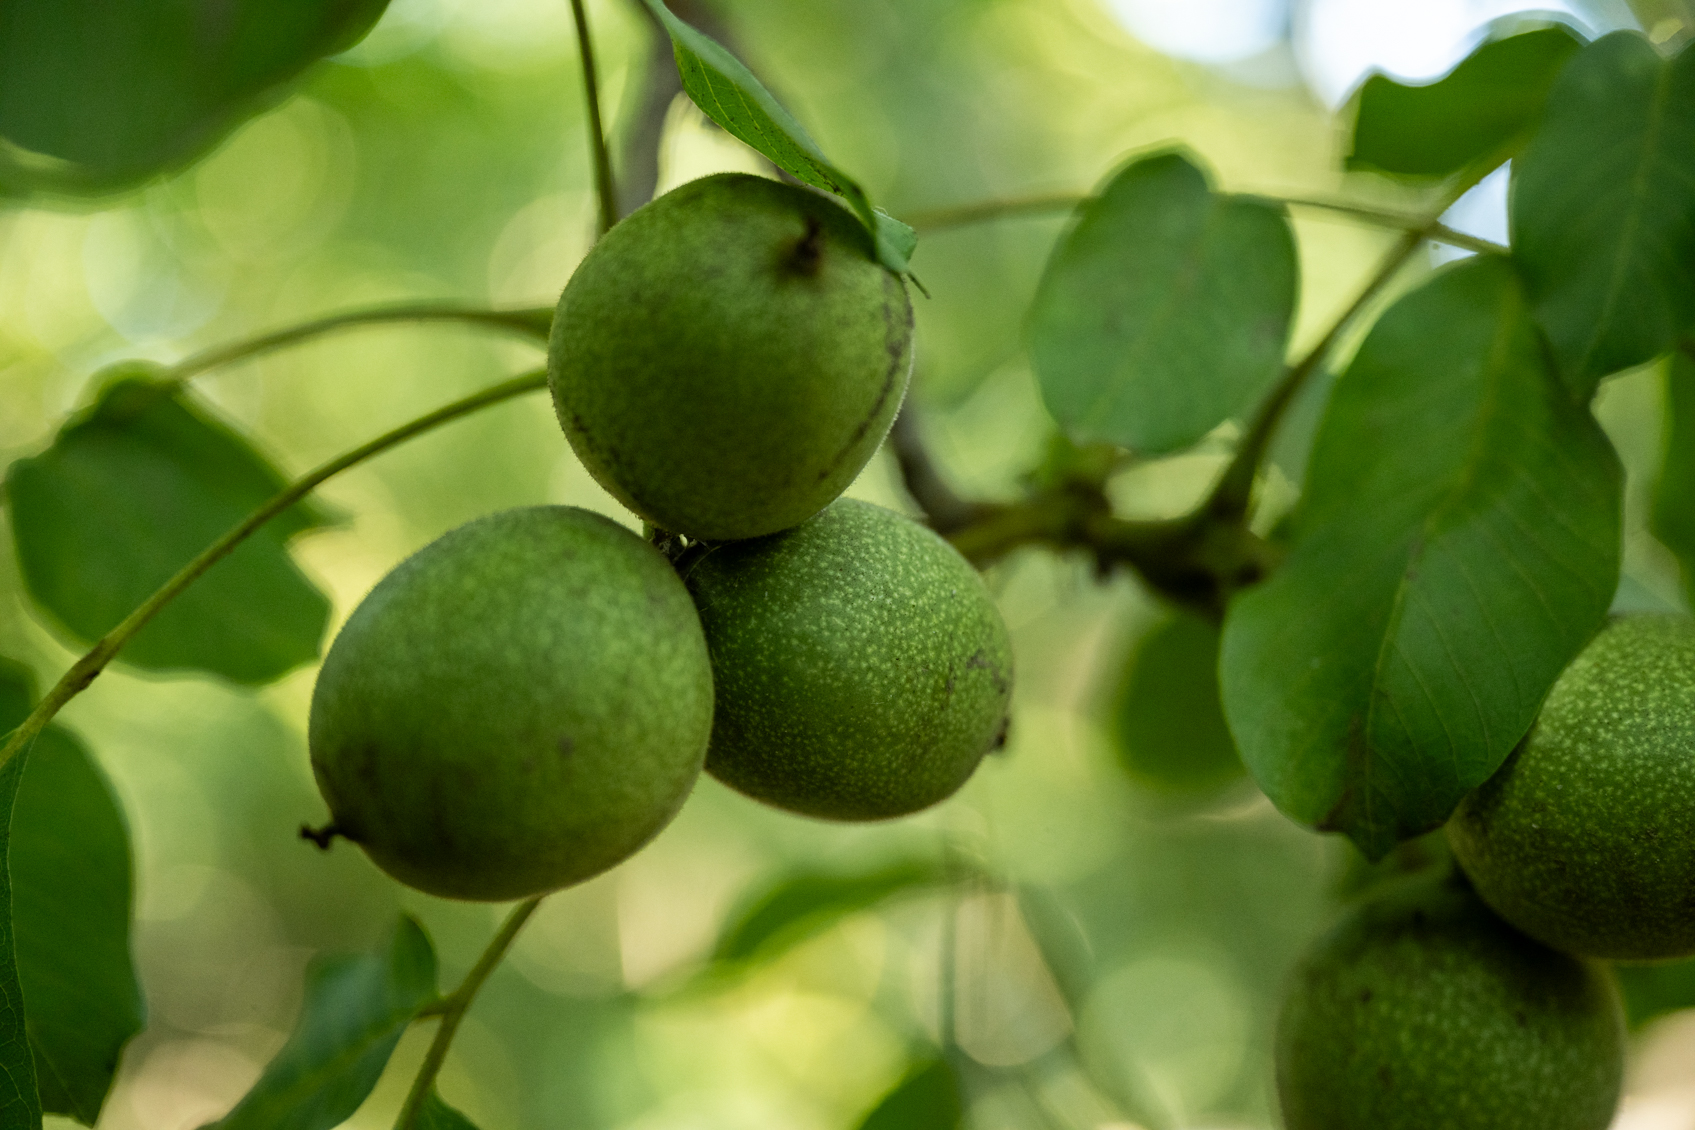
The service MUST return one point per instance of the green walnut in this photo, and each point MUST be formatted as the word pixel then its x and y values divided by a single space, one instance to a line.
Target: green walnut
pixel 520 705
pixel 729 356
pixel 862 669
pixel 1585 838
pixel 1422 1009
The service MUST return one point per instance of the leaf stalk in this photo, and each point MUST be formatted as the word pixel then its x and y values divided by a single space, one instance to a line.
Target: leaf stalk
pixel 452 1009
pixel 86 669
pixel 606 193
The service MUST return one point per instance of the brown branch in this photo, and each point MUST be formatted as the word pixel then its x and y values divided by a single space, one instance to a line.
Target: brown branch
pixel 945 510
pixel 660 86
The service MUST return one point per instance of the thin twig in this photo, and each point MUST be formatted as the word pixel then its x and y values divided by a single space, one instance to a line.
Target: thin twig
pixel 606 194
pixel 941 219
pixel 532 323
pixel 85 670
pixel 1230 499
pixel 454 1008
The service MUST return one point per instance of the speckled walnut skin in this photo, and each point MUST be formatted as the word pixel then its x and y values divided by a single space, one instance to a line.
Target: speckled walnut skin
pixel 519 705
pixel 727 358
pixel 862 668
pixel 1421 1009
pixel 1586 837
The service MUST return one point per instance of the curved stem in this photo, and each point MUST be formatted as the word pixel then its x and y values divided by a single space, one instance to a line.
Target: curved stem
pixel 85 670
pixel 941 219
pixel 533 323
pixel 453 1009
pixel 1229 500
pixel 606 194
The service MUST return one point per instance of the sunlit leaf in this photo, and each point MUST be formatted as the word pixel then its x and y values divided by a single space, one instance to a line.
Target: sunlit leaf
pixel 356 1008
pixel 798 906
pixel 99 94
pixel 728 93
pixel 435 1114
pixel 81 994
pixel 1166 716
pixel 1652 991
pixel 129 493
pixel 1603 208
pixel 1478 114
pixel 1164 311
pixel 1458 545
pixel 928 1098
pixel 1674 496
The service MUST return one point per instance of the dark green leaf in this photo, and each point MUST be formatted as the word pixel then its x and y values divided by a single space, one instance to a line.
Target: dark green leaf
pixel 1603 208
pixel 927 1099
pixel 1674 496
pixel 799 906
pixel 1479 114
pixel 81 995
pixel 1164 311
pixel 100 94
pixel 1651 991
pixel 129 493
pixel 20 1101
pixel 437 1115
pixel 355 1010
pixel 728 93
pixel 1167 718
pixel 1457 546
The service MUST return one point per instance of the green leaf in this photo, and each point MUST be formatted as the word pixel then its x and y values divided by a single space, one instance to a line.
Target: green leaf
pixel 82 999
pixel 20 1101
pixel 1603 209
pixel 129 493
pixel 355 1010
pixel 1674 495
pixel 1457 546
pixel 97 95
pixel 728 93
pixel 1651 991
pixel 1479 114
pixel 435 1114
pixel 927 1098
pixel 799 906
pixel 1167 719
pixel 1164 311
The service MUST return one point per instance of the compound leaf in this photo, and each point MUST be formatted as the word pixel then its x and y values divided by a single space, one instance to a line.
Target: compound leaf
pixel 1478 114
pixel 928 1098
pixel 81 995
pixel 1603 208
pixel 728 93
pixel 129 493
pixel 1457 546
pixel 1164 311
pixel 96 95
pixel 356 1008
pixel 435 1114
pixel 1167 719
pixel 1674 496
pixel 801 905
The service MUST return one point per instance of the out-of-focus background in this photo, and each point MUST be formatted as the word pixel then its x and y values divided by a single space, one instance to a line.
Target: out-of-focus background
pixel 445 158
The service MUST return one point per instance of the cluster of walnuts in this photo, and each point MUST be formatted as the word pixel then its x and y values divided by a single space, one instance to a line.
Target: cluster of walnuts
pixel 528 700
pixel 1470 997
